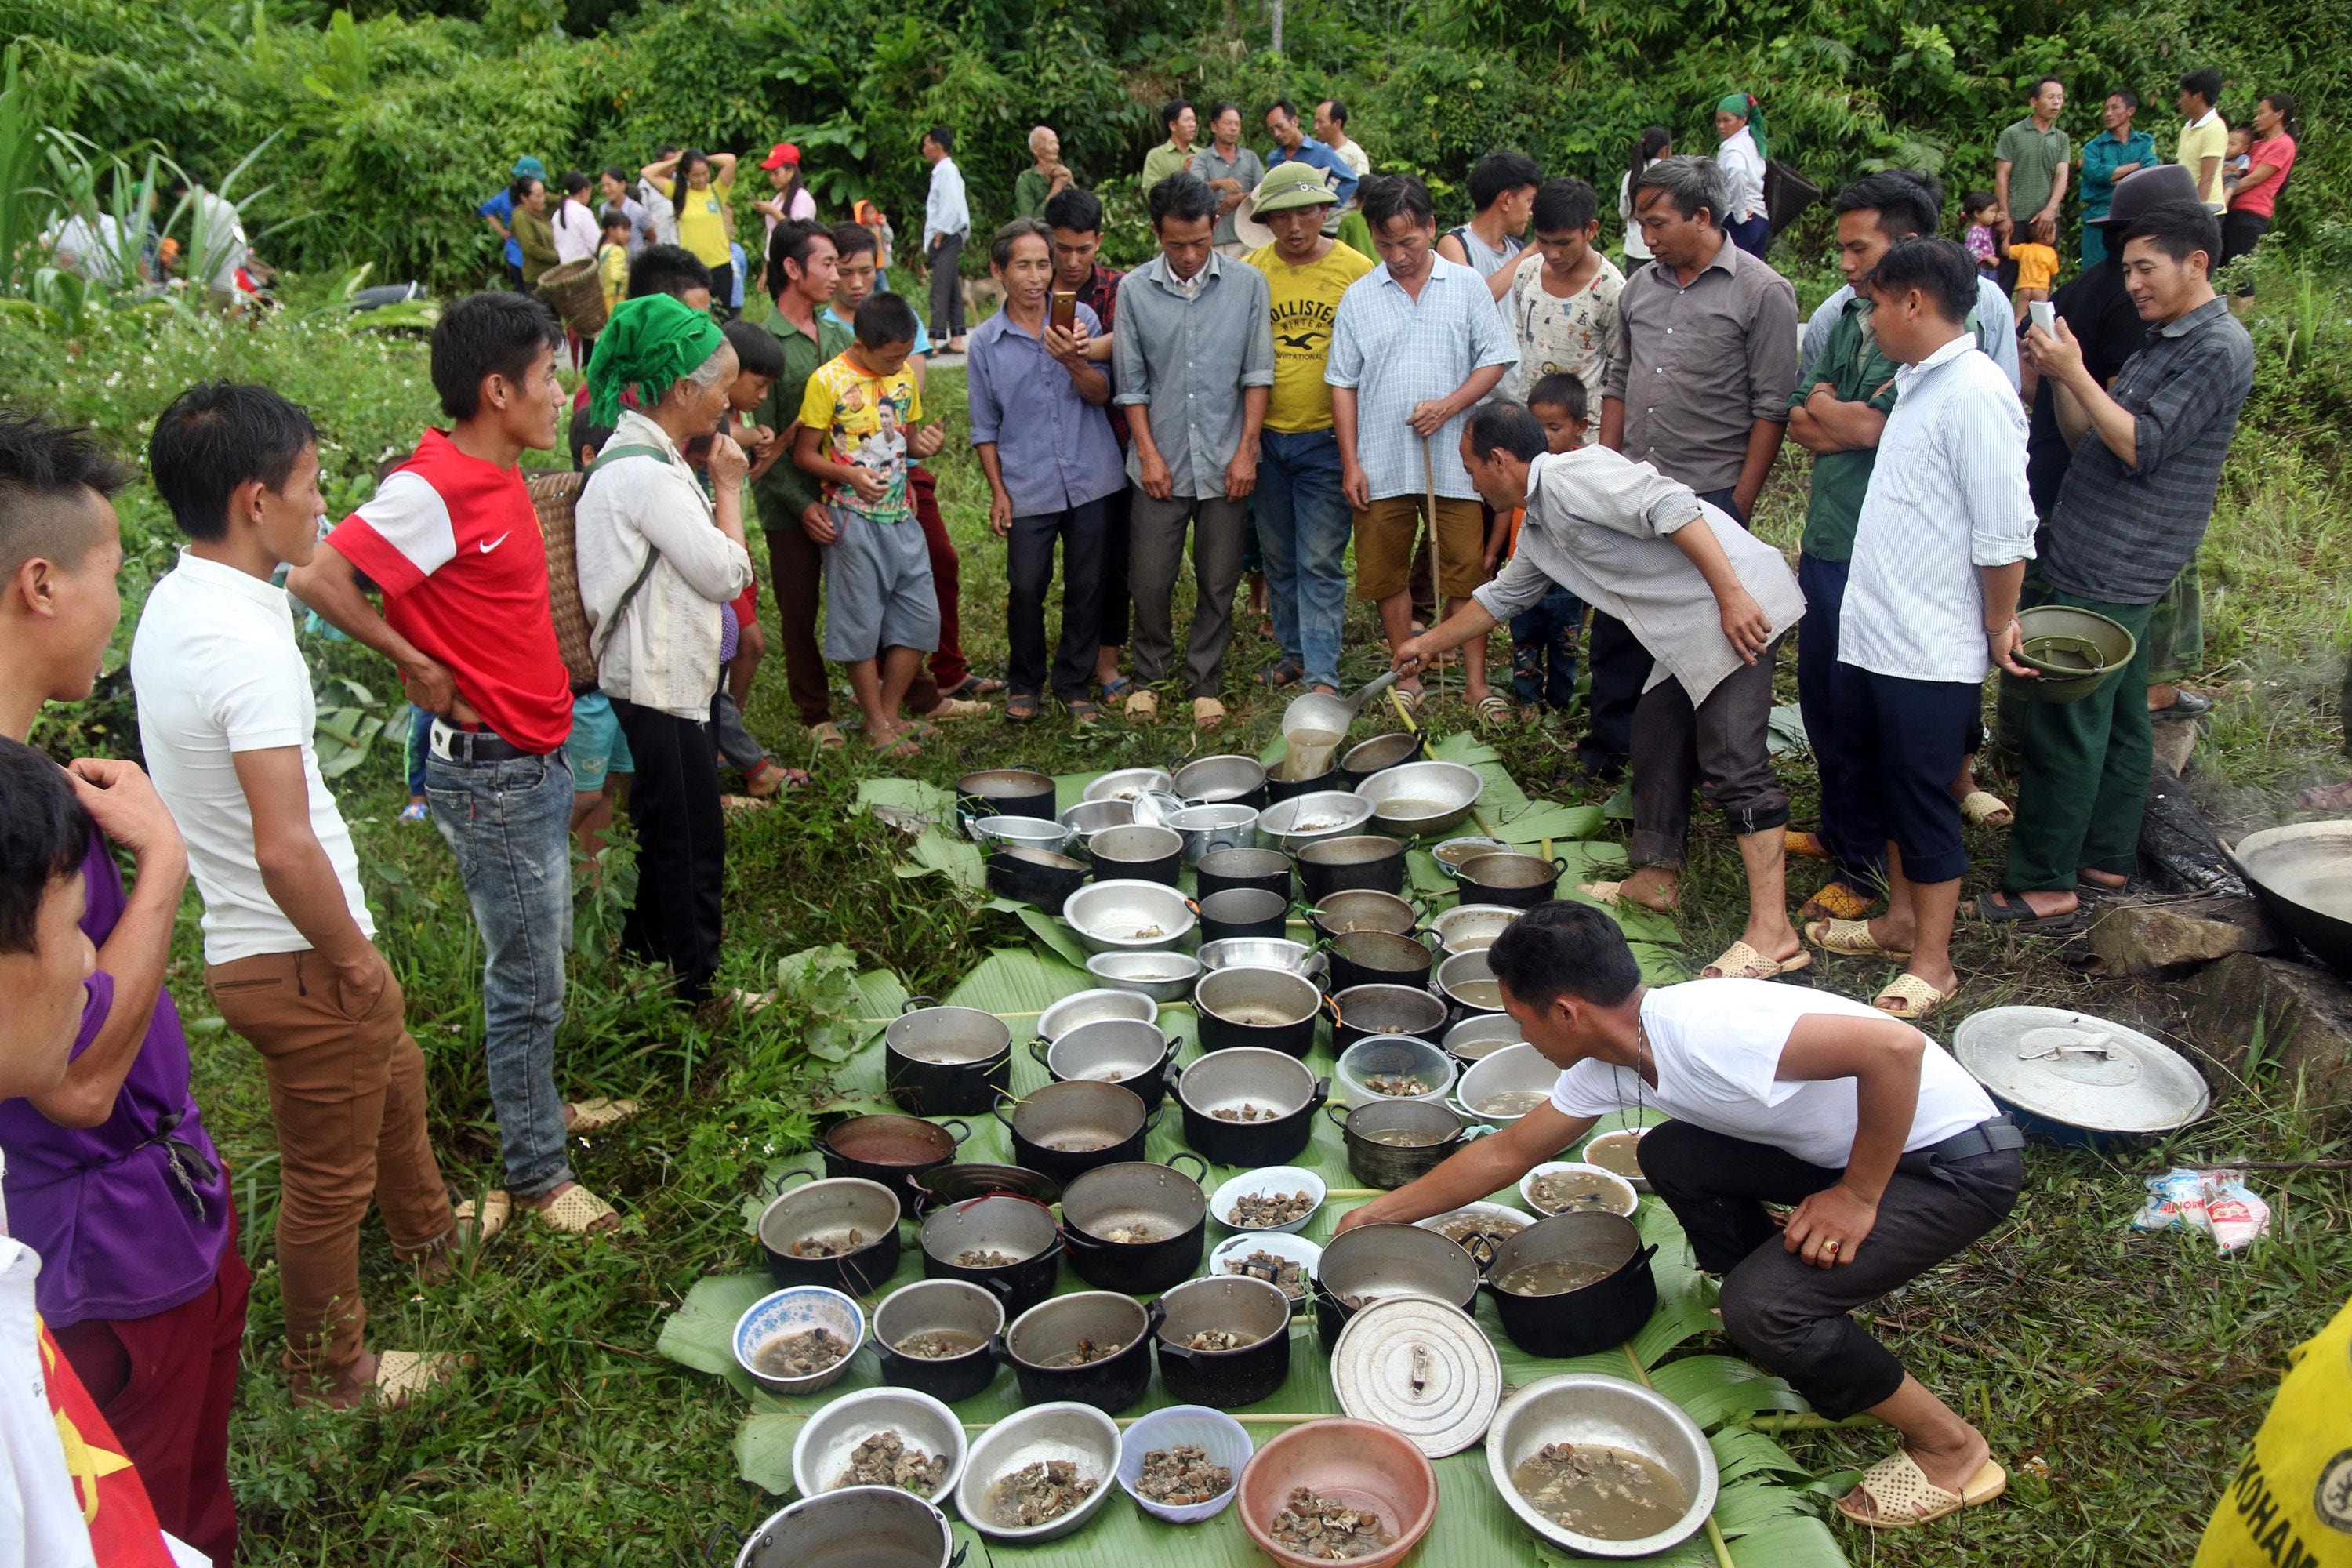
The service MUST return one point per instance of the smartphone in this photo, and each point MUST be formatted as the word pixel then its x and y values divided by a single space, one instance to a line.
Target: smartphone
pixel 2043 314
pixel 1065 313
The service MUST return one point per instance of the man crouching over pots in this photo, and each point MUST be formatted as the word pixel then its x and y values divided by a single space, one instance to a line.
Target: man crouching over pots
pixel 1892 1156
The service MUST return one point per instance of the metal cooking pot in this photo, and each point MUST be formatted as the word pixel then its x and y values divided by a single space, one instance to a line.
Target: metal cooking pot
pixel 946 1061
pixel 1210 780
pixel 1108 916
pixel 1480 1035
pixel 1224 1380
pixel 1358 1011
pixel 2290 869
pixel 1221 871
pixel 1378 1163
pixel 1366 860
pixel 1152 854
pixel 1052 1329
pixel 1466 981
pixel 1242 911
pixel 1161 1201
pixel 932 1307
pixel 1006 792
pixel 1022 832
pixel 1508 878
pixel 1124 1051
pixel 1225 825
pixel 855 1527
pixel 1363 908
pixel 1415 798
pixel 1362 958
pixel 1126 784
pixel 892 1150
pixel 1272 1008
pixel 1262 952
pixel 1274 1084
pixel 1067 1129
pixel 857 1216
pixel 1165 975
pixel 1089 818
pixel 1302 819
pixel 1085 1008
pixel 1373 1262
pixel 1045 877
pixel 1279 788
pixel 1467 928
pixel 1592 1317
pixel 1378 755
pixel 1021 1228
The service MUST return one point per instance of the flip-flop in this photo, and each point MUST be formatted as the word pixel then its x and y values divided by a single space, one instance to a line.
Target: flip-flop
pixel 1280 674
pixel 1114 686
pixel 595 1115
pixel 1741 962
pixel 1901 1496
pixel 1495 712
pixel 2019 915
pixel 1918 998
pixel 1837 901
pixel 901 745
pixel 1985 809
pixel 1851 939
pixel 1021 707
pixel 576 1211
pixel 974 686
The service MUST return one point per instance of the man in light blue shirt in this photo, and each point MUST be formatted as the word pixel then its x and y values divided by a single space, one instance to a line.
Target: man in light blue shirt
pixel 1291 142
pixel 1415 345
pixel 947 224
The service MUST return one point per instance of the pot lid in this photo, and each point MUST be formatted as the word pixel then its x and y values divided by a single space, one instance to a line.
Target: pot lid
pixel 1422 1369
pixel 954 1183
pixel 2079 1070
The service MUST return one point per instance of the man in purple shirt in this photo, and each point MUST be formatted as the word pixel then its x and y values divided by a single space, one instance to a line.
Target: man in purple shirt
pixel 111 1176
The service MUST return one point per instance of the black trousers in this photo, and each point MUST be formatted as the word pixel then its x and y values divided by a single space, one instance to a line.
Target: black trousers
pixel 1788 1314
pixel 1621 668
pixel 1029 568
pixel 1111 604
pixel 681 845
pixel 947 291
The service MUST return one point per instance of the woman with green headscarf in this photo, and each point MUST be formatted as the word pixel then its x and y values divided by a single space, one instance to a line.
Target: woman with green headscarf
pixel 658 562
pixel 1740 127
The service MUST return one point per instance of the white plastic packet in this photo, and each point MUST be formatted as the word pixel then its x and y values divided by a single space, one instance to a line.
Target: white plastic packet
pixel 2215 1201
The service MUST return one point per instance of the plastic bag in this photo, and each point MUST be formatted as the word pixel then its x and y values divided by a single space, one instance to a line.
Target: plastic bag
pixel 2216 1201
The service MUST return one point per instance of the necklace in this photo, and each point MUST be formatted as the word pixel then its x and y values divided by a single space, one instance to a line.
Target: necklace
pixel 1641 1046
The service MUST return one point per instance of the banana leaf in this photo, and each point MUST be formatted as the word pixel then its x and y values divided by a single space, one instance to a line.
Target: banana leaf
pixel 1053 934
pixel 906 795
pixel 935 851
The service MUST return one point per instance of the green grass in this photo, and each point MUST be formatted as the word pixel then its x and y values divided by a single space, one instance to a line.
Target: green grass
pixel 2131 1369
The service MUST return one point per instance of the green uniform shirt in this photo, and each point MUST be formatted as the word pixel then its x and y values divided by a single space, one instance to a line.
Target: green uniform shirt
pixel 2034 157
pixel 1165 160
pixel 1855 371
pixel 784 492
pixel 1029 194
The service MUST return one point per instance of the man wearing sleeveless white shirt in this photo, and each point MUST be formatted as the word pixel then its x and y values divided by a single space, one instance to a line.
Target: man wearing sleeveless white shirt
pixel 1894 1159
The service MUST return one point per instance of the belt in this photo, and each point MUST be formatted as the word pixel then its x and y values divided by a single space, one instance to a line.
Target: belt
pixel 1997 1136
pixel 467 747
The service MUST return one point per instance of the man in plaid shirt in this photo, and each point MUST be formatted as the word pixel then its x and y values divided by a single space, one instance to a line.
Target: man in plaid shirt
pixel 1076 217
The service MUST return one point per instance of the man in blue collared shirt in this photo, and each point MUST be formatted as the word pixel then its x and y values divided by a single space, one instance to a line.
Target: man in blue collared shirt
pixel 1052 467
pixel 1291 142
pixel 1415 345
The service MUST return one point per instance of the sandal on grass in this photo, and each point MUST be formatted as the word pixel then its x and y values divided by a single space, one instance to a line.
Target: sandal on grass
pixel 1021 707
pixel 974 686
pixel 403 1378
pixel 1083 711
pixel 1495 712
pixel 1902 1496
pixel 1281 673
pixel 415 811
pixel 576 1211
pixel 1985 809
pixel 1741 962
pixel 1795 841
pixel 1910 998
pixel 957 708
pixel 1851 939
pixel 828 735
pixel 1613 894
pixel 1142 707
pixel 1835 901
pixel 594 1115
pixel 1114 686
pixel 1207 712
pixel 2012 909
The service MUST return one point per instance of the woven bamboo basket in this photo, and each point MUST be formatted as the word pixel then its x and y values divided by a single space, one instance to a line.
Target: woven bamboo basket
pixel 577 295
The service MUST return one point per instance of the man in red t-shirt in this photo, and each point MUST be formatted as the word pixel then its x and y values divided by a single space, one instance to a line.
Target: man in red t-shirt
pixel 451 539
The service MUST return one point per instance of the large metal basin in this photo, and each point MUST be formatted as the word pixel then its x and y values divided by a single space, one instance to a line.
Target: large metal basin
pixel 1583 1407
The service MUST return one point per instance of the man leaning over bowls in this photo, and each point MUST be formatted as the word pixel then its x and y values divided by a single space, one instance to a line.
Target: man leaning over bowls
pixel 1892 1156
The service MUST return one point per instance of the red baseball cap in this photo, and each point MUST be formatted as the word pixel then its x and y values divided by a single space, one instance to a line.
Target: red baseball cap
pixel 781 154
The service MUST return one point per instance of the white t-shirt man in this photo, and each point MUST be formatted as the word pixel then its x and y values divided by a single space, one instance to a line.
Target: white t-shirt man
pixel 217 671
pixel 1715 1046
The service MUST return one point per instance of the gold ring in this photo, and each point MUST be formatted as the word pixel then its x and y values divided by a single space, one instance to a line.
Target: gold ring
pixel 1828 1246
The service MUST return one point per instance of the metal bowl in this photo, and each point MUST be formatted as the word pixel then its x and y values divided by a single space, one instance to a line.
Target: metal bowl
pixel 1126 783
pixel 1472 928
pixel 820 1453
pixel 797 1309
pixel 1453 851
pixel 1027 832
pixel 1161 974
pixel 1583 1407
pixel 1514 1068
pixel 1394 1054
pixel 1414 798
pixel 1220 778
pixel 1089 818
pixel 1247 1075
pixel 1084 1007
pixel 857 1527
pixel 1262 952
pixel 1304 818
pixel 1108 915
pixel 1079 1433
pixel 1226 825
pixel 1467 980
pixel 1377 755
pixel 1359 1463
pixel 1480 1035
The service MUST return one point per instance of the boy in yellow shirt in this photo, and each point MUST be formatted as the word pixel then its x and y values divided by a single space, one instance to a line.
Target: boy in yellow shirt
pixel 858 430
pixel 613 258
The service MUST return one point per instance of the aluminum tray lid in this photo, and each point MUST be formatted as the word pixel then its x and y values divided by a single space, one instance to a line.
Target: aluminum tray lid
pixel 2082 1070
pixel 1422 1368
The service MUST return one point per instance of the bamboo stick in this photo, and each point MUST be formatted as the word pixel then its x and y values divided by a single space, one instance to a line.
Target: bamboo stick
pixel 1714 1531
pixel 1405 714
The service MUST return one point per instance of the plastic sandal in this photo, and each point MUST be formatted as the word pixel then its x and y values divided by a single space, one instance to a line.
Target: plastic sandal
pixel 1114 686
pixel 974 686
pixel 958 707
pixel 1741 962
pixel 402 1377
pixel 1282 673
pixel 1913 998
pixel 1795 841
pixel 488 1219
pixel 1082 711
pixel 415 811
pixel 1851 939
pixel 1142 707
pixel 828 735
pixel 576 1211
pixel 1901 1496
pixel 1985 809
pixel 594 1115
pixel 1207 712
pixel 1021 707
pixel 2009 910
pixel 1495 712
pixel 1835 901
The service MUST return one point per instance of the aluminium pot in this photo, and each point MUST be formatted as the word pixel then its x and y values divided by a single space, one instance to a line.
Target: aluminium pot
pixel 1020 832
pixel 853 1527
pixel 940 1305
pixel 856 1221
pixel 1379 755
pixel 1006 792
pixel 1224 1380
pixel 1359 860
pixel 1021 1228
pixel 1273 1009
pixel 1386 1165
pixel 1467 981
pixel 895 1150
pixel 1374 1262
pixel 1263 952
pixel 1222 870
pixel 1126 784
pixel 1279 789
pixel 1066 1130
pixel 1360 1011
pixel 1242 911
pixel 1480 1035
pixel 1276 1085
pixel 1592 1318
pixel 946 1061
pixel 1508 878
pixel 1363 908
pixel 1161 1201
pixel 1092 817
pixel 1208 781
pixel 1041 877
pixel 1221 825
pixel 1379 958
pixel 1052 1329
pixel 1137 853
pixel 1467 928
pixel 1127 1052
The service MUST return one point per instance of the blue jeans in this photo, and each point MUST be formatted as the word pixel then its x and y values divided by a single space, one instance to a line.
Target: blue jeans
pixel 1303 527
pixel 1543 650
pixel 420 735
pixel 509 825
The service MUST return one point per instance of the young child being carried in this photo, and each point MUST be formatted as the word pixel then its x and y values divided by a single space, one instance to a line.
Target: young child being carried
pixel 1544 639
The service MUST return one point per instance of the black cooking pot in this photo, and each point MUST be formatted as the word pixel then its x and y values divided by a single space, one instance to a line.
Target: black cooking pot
pixel 1508 877
pixel 1376 755
pixel 1364 908
pixel 940 1305
pixel 1279 789
pixel 1378 1163
pixel 1006 792
pixel 1576 1322
pixel 1224 1380
pixel 1249 1078
pixel 1360 1011
pixel 1052 1329
pixel 1162 1200
pixel 1124 1051
pixel 1021 1228
pixel 1038 877
pixel 946 1061
pixel 896 1151
pixel 1374 1262
pixel 1271 1008
pixel 1138 852
pixel 1222 870
pixel 1067 1129
pixel 963 1181
pixel 1210 780
pixel 1242 911
pixel 1379 958
pixel 859 1217
pixel 1331 866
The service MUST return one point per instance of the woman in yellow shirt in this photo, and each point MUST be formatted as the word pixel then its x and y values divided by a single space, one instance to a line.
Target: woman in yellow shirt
pixel 699 184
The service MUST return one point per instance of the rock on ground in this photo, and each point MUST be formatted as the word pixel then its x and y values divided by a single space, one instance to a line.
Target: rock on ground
pixel 2134 939
pixel 2302 1018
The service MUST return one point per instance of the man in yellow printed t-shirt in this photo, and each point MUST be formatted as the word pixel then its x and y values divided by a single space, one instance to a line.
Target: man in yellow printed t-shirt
pixel 1303 520
pixel 2204 144
pixel 858 419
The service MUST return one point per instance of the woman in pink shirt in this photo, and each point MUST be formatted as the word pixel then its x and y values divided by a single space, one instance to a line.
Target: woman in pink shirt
pixel 2256 195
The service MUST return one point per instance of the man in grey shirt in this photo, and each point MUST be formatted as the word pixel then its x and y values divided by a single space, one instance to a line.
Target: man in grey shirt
pixel 1710 601
pixel 1698 388
pixel 1194 358
pixel 1230 170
